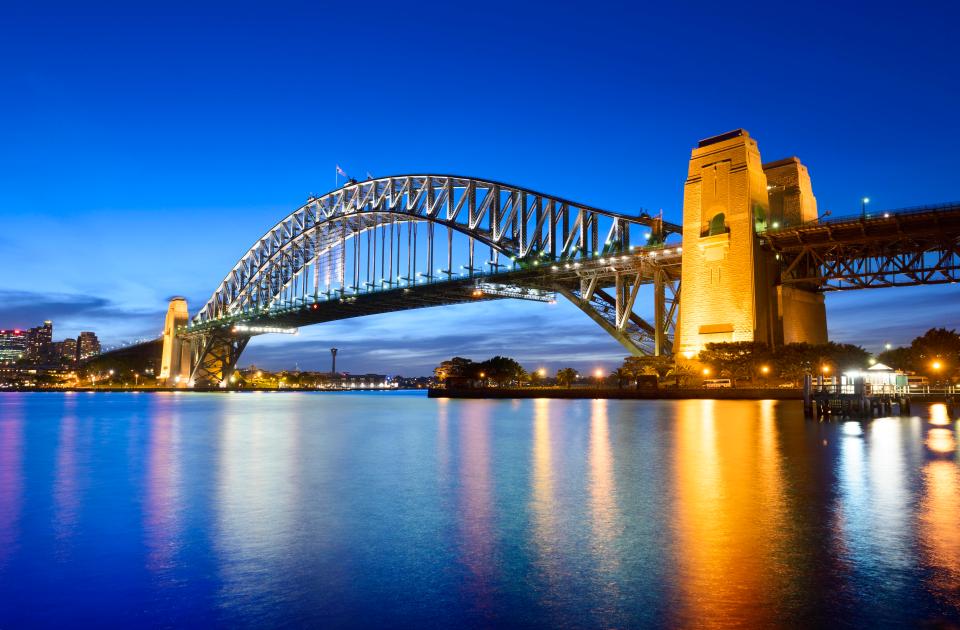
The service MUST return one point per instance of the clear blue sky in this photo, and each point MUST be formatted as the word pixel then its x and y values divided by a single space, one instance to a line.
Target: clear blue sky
pixel 144 148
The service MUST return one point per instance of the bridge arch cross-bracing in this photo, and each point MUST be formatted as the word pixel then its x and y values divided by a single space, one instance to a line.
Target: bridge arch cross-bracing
pixel 410 241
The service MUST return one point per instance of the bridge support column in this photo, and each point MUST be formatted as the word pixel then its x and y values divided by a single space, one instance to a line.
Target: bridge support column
pixel 664 311
pixel 175 356
pixel 801 311
pixel 730 282
pixel 215 357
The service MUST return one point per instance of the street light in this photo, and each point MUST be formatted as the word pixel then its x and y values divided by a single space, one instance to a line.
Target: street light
pixel 706 371
pixel 888 346
pixel 863 205
pixel 936 365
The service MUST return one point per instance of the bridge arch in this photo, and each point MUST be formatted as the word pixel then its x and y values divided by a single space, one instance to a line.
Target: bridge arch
pixel 311 244
pixel 355 244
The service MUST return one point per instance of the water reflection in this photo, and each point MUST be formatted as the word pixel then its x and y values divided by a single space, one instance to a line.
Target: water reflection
pixel 729 513
pixel 257 495
pixel 940 528
pixel 543 499
pixel 873 529
pixel 66 492
pixel 315 510
pixel 11 477
pixel 476 520
pixel 603 500
pixel 162 512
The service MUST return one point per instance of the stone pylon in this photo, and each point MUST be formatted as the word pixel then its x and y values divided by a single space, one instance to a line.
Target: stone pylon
pixel 175 358
pixel 731 289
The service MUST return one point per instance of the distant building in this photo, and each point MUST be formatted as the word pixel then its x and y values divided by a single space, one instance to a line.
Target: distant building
pixel 361 381
pixel 68 351
pixel 40 344
pixel 13 345
pixel 87 346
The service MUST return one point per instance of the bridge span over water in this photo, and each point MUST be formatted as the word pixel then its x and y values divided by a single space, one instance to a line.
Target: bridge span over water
pixel 752 259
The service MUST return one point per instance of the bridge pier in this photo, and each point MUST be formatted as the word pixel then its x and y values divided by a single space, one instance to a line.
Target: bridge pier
pixel 731 290
pixel 215 356
pixel 176 353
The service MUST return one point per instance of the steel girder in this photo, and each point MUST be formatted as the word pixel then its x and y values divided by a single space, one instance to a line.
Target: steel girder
pixel 305 256
pixel 624 275
pixel 215 355
pixel 906 248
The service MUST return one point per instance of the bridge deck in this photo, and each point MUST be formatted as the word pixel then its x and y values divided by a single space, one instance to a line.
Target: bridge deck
pixel 541 276
pixel 896 228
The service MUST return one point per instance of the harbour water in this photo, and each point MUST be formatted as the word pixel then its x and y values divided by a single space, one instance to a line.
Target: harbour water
pixel 395 510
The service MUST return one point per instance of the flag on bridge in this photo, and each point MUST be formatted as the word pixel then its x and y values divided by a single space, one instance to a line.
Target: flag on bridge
pixel 340 171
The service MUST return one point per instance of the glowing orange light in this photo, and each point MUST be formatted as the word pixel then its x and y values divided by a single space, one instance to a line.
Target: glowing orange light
pixel 941 441
pixel 825 369
pixel 765 369
pixel 937 365
pixel 706 371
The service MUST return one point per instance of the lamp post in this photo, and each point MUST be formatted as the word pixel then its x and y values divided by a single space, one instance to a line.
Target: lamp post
pixel 598 374
pixel 765 370
pixel 937 366
pixel 863 206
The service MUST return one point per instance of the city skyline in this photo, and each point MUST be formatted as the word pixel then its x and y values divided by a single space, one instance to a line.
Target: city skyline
pixel 177 194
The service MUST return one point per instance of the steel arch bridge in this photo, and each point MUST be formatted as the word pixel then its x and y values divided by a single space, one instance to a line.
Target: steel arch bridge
pixel 409 241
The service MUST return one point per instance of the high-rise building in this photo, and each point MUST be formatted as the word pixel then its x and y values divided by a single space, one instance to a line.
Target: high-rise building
pixel 87 345
pixel 13 345
pixel 68 351
pixel 40 343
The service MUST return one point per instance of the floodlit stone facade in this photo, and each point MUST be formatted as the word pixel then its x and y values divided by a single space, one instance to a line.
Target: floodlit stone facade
pixel 729 290
pixel 175 358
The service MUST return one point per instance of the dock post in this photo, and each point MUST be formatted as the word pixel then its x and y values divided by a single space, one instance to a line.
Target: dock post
pixel 807 395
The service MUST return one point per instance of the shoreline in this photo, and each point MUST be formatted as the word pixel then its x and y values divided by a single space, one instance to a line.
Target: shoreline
pixel 185 390
pixel 617 394
pixel 584 393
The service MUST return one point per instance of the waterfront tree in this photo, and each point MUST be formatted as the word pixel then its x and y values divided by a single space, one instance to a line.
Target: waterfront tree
pixel 502 370
pixel 567 376
pixel 620 376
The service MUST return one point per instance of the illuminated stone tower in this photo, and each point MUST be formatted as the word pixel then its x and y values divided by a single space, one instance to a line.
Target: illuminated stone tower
pixel 175 359
pixel 730 290
pixel 801 312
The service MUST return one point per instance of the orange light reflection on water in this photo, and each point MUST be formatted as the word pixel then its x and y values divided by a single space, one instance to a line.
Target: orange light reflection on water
pixel 477 527
pixel 729 513
pixel 603 500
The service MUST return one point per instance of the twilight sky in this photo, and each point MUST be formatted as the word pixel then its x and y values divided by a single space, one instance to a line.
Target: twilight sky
pixel 143 148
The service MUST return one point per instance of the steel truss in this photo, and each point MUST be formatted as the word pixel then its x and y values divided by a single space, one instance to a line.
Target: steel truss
pixel 404 242
pixel 382 234
pixel 608 293
pixel 893 249
pixel 215 354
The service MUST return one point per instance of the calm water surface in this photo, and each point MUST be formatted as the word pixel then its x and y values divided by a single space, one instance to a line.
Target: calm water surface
pixel 396 510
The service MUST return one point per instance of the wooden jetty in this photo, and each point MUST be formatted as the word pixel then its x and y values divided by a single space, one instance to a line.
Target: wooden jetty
pixel 833 400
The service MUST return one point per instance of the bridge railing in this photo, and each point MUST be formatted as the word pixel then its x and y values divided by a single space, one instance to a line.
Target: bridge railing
pixel 865 216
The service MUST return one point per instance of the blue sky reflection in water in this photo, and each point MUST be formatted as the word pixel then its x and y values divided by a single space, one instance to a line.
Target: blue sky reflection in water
pixel 373 509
